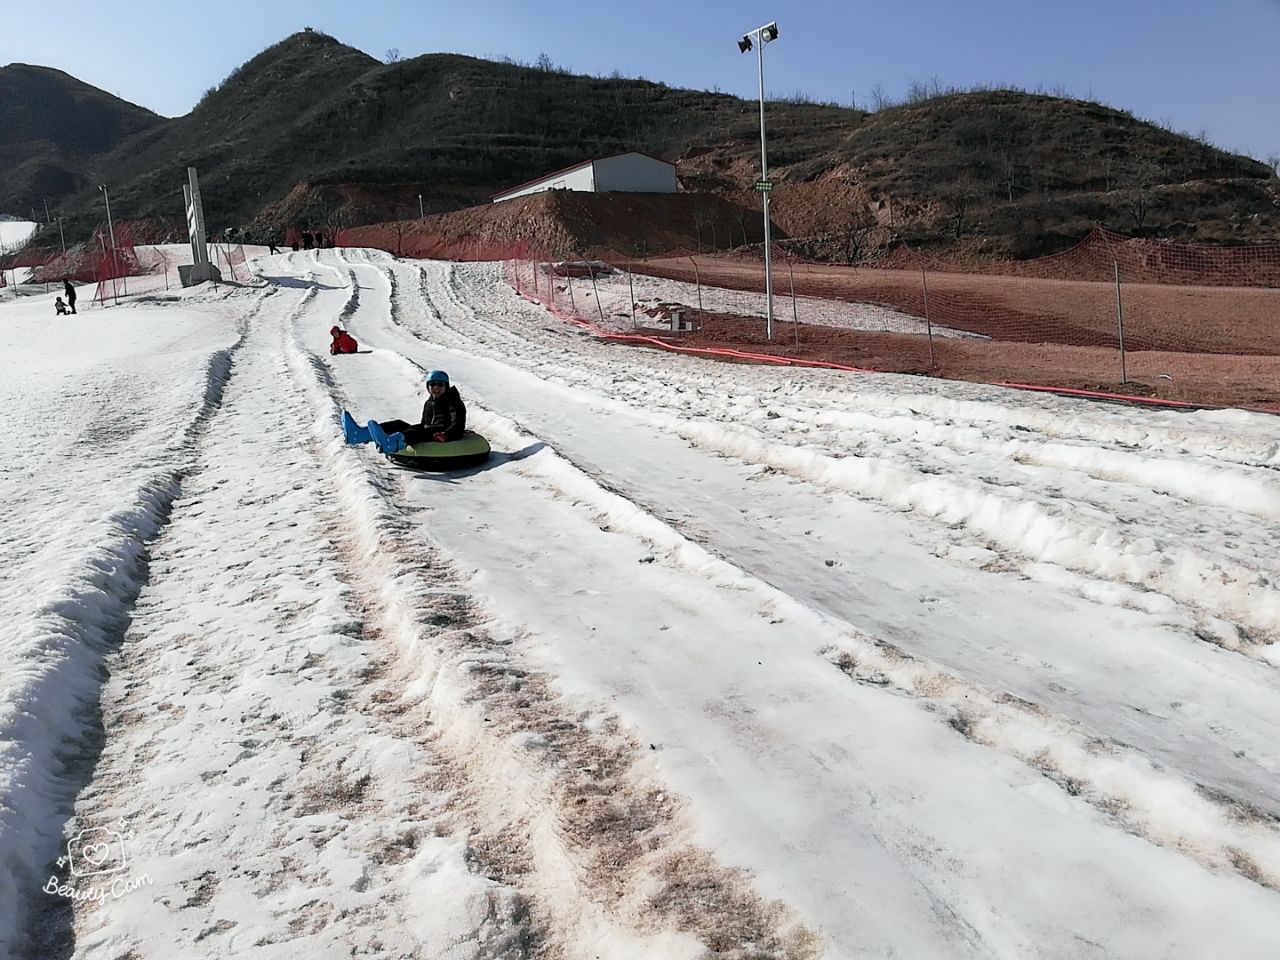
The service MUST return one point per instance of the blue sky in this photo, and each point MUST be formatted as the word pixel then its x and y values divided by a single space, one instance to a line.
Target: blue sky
pixel 1196 66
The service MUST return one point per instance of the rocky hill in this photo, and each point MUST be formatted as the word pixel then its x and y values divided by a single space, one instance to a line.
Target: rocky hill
pixel 315 133
pixel 52 129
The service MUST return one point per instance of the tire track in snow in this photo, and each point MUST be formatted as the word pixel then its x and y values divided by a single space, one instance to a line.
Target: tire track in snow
pixel 1213 830
pixel 84 628
pixel 1140 797
pixel 1242 611
pixel 331 851
pixel 1221 832
pixel 1228 776
pixel 556 800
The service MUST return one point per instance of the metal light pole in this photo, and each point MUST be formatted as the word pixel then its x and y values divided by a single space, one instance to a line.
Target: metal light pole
pixel 62 236
pixel 46 213
pixel 420 214
pixel 115 263
pixel 764 35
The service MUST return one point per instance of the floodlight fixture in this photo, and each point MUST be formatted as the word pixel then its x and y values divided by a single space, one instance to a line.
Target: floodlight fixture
pixel 768 32
pixel 744 45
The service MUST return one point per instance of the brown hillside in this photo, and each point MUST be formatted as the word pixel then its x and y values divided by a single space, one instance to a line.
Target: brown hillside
pixel 564 223
pixel 998 172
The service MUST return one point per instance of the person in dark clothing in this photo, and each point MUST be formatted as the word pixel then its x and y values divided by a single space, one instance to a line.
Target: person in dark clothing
pixel 70 291
pixel 444 418
pixel 59 307
pixel 272 248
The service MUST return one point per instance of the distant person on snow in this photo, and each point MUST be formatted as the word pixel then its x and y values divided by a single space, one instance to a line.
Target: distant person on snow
pixel 272 248
pixel 444 418
pixel 343 342
pixel 70 291
pixel 60 307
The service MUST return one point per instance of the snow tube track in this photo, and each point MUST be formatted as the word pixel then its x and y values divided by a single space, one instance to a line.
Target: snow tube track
pixel 743 662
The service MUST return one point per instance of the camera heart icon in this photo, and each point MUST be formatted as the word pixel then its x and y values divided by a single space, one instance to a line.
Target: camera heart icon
pixel 96 853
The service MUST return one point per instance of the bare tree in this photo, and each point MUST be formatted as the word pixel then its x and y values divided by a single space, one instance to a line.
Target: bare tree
pixel 879 99
pixel 1273 161
pixel 393 55
pixel 961 195
pixel 701 217
pixel 855 234
pixel 917 91
pixel 741 213
pixel 1139 191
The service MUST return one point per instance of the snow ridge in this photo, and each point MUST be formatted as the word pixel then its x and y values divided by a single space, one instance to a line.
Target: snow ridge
pixel 77 628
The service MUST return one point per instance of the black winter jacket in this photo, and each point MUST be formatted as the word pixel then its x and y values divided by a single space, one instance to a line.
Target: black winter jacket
pixel 446 413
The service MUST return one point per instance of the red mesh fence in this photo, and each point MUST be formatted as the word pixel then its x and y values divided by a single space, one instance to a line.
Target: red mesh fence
pixel 1139 260
pixel 1177 343
pixel 1185 322
pixel 83 263
pixel 230 261
pixel 117 261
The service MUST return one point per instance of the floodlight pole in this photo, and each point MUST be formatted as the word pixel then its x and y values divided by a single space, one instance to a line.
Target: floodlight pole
pixel 761 39
pixel 421 215
pixel 62 236
pixel 764 176
pixel 115 262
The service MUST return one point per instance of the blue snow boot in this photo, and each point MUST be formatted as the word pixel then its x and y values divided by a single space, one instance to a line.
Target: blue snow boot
pixel 353 431
pixel 387 444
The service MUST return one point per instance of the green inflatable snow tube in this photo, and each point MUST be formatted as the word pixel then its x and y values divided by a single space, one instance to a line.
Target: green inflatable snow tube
pixel 466 451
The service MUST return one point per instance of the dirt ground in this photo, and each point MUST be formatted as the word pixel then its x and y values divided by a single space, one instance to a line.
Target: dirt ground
pixel 1208 345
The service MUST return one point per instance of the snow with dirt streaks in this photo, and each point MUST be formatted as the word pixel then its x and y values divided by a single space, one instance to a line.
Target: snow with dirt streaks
pixel 706 658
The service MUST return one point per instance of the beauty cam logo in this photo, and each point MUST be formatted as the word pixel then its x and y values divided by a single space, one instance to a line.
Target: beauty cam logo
pixel 95 852
pixel 99 866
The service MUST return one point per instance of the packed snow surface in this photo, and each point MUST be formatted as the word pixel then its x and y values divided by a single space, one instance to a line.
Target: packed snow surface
pixel 706 659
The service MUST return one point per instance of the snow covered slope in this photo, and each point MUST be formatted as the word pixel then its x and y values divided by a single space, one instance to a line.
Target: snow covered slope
pixel 708 658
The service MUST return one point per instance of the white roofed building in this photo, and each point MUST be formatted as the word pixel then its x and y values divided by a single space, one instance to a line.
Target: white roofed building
pixel 632 172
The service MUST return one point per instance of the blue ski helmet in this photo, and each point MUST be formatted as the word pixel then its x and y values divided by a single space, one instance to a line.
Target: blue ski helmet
pixel 438 376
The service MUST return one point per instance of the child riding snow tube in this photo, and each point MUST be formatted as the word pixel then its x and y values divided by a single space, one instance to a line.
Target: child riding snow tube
pixel 440 441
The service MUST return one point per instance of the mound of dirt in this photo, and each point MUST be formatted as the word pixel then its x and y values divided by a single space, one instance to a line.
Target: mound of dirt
pixel 569 224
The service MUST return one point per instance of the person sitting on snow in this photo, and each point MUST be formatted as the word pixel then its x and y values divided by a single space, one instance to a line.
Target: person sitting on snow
pixel 343 342
pixel 60 307
pixel 444 418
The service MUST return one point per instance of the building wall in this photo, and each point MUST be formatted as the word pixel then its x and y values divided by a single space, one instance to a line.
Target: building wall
pixel 631 172
pixel 636 173
pixel 580 178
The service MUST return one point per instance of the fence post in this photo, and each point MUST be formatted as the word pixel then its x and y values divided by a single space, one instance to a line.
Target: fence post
pixel 632 287
pixel 573 305
pixel 1124 372
pixel 596 291
pixel 795 316
pixel 928 323
pixel 697 278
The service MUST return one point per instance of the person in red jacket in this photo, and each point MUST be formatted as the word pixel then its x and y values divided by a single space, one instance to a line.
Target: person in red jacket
pixel 343 342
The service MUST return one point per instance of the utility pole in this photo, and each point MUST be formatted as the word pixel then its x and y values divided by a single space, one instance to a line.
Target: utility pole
pixel 763 35
pixel 115 262
pixel 421 216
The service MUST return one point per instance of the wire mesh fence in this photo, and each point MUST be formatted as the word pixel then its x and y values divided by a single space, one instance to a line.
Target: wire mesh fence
pixel 1182 342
